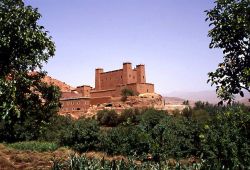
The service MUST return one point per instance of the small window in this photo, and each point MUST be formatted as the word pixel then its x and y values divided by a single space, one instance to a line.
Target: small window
pixel 121 77
pixel 147 90
pixel 143 77
pixel 78 109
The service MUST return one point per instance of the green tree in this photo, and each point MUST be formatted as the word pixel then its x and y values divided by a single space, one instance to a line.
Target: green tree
pixel 126 92
pixel 26 103
pixel 81 135
pixel 225 139
pixel 230 22
pixel 108 117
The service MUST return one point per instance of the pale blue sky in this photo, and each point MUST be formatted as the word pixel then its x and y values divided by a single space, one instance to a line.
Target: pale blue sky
pixel 168 36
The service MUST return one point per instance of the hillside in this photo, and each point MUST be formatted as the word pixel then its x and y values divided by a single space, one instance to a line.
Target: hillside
pixel 62 85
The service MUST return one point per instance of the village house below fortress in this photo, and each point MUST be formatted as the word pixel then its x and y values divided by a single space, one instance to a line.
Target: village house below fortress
pixel 108 87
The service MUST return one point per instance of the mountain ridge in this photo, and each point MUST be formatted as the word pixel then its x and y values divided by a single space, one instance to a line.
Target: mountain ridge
pixel 206 96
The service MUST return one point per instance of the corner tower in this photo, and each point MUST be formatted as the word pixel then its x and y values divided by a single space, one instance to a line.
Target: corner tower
pixel 140 71
pixel 126 72
pixel 98 72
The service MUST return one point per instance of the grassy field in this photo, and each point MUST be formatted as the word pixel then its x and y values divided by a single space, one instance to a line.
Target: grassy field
pixel 29 155
pixel 34 146
pixel 39 155
pixel 26 159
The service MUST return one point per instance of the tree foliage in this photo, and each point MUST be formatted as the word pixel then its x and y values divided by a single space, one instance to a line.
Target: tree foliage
pixel 81 135
pixel 25 101
pixel 126 92
pixel 225 139
pixel 230 22
pixel 108 118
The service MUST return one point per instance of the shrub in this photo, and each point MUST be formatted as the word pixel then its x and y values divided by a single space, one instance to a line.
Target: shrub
pixel 108 118
pixel 201 115
pixel 126 140
pixel 225 140
pixel 83 162
pixel 34 146
pixel 125 93
pixel 150 118
pixel 176 112
pixel 129 116
pixel 187 112
pixel 175 137
pixel 56 126
pixel 210 109
pixel 82 135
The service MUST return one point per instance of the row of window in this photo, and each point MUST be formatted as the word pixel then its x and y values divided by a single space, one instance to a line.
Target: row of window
pixel 76 103
pixel 71 109
pixel 121 78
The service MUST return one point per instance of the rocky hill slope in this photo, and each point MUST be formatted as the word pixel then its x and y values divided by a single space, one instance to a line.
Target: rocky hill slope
pixel 63 86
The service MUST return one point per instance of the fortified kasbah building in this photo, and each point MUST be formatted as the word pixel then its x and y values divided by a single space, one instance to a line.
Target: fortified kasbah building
pixel 108 86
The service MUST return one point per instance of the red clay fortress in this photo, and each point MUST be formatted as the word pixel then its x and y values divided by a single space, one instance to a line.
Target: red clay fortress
pixel 108 87
pixel 110 84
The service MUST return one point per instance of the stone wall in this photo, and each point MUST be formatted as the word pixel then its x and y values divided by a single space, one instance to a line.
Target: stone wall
pixel 74 104
pixel 126 75
pixel 100 100
pixel 84 90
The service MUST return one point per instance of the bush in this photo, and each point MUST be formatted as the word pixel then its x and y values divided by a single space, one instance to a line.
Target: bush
pixel 81 135
pixel 129 116
pixel 34 146
pixel 108 118
pixel 150 118
pixel 210 109
pixel 125 140
pixel 125 93
pixel 226 139
pixel 56 126
pixel 83 162
pixel 175 137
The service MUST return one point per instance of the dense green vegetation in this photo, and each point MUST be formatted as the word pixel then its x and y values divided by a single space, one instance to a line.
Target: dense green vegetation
pixel 230 31
pixel 26 103
pixel 82 162
pixel 217 136
pixel 125 93
pixel 34 146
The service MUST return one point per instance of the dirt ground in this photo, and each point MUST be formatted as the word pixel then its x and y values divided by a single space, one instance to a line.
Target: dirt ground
pixel 11 159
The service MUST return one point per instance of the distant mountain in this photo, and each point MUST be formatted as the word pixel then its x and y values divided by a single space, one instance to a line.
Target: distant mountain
pixel 174 100
pixel 206 96
pixel 177 101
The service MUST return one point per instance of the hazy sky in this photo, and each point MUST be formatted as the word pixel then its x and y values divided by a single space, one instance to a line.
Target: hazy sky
pixel 168 36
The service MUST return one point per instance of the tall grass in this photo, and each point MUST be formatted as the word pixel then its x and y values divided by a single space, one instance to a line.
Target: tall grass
pixel 83 163
pixel 34 146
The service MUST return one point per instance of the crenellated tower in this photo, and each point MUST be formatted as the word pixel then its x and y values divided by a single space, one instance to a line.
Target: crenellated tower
pixel 98 72
pixel 140 71
pixel 126 72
